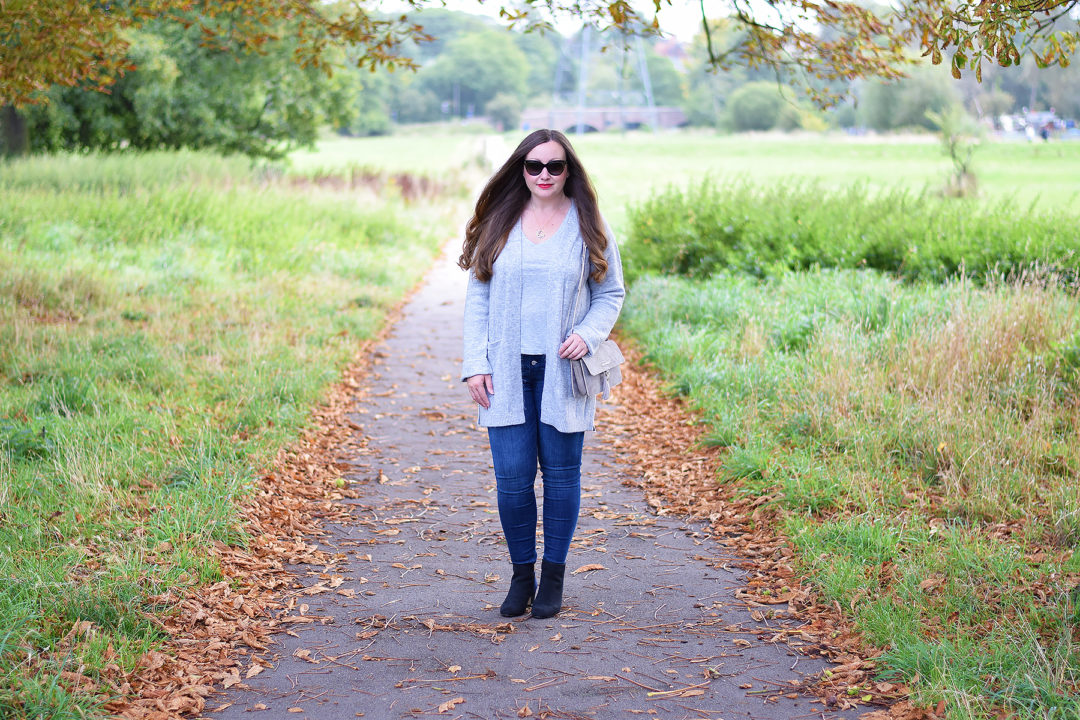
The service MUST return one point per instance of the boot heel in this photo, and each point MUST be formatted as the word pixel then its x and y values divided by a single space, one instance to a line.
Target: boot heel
pixel 522 588
pixel 548 600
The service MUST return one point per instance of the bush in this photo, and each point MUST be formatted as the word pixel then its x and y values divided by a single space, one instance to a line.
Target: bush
pixel 762 231
pixel 504 111
pixel 904 103
pixel 755 106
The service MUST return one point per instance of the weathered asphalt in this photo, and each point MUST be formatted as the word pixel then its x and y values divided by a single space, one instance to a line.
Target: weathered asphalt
pixel 406 624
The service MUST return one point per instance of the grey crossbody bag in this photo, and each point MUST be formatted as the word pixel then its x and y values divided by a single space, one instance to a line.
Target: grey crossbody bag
pixel 599 371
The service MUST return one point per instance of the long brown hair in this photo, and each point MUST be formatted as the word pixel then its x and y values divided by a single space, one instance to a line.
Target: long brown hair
pixel 503 201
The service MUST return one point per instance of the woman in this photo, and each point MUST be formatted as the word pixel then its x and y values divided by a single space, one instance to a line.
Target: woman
pixel 527 315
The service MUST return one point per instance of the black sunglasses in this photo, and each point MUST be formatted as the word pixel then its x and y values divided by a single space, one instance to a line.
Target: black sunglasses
pixel 554 167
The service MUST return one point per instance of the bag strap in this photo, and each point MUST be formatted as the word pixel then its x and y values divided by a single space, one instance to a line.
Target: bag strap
pixel 577 292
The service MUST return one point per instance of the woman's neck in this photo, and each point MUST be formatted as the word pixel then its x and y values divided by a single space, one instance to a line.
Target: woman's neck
pixel 547 205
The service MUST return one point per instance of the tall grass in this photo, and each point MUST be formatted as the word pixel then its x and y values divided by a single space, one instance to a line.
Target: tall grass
pixel 167 322
pixel 921 443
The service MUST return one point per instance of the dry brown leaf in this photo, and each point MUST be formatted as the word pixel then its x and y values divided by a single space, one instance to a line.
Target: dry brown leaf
pixel 230 679
pixel 253 671
pixel 588 568
pixel 450 704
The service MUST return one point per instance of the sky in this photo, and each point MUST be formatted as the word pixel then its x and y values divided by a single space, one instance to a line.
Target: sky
pixel 680 18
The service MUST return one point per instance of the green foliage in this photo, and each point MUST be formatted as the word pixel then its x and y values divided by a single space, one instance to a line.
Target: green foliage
pixel 905 102
pixel 185 95
pixel 371 113
pixel 764 230
pixel 755 106
pixel 960 137
pixel 167 323
pixel 667 84
pixel 474 68
pixel 504 111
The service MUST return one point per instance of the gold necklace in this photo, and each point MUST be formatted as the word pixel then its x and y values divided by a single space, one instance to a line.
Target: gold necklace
pixel 540 235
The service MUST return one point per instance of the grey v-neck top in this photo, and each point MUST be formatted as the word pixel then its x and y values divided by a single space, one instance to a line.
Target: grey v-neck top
pixel 538 286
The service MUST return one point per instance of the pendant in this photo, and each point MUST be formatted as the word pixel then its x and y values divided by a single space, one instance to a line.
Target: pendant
pixel 540 235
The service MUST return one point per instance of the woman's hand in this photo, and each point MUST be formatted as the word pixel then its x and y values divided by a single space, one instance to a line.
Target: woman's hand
pixel 480 388
pixel 573 348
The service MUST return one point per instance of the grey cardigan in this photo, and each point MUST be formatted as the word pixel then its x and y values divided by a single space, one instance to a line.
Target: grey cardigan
pixel 493 330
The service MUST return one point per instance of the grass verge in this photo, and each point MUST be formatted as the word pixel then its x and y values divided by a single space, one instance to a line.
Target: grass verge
pixel 167 324
pixel 917 445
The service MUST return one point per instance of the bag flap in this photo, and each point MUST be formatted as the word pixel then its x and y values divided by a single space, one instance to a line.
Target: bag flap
pixel 607 356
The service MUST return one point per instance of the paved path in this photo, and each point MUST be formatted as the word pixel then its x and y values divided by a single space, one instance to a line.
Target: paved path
pixel 407 624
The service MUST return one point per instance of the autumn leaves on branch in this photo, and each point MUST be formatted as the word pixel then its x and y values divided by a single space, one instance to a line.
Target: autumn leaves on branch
pixel 816 43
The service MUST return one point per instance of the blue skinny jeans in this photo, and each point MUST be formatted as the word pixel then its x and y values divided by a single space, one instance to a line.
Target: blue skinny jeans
pixel 515 451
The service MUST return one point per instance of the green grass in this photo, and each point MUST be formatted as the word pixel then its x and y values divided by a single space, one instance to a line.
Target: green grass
pixel 761 230
pixel 167 323
pixel 920 441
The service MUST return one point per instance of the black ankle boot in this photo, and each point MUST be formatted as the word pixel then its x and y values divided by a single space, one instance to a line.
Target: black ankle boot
pixel 522 587
pixel 548 600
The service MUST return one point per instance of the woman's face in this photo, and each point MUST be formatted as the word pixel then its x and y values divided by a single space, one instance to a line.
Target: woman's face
pixel 545 185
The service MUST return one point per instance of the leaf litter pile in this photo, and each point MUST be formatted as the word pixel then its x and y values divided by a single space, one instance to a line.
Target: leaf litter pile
pixel 219 635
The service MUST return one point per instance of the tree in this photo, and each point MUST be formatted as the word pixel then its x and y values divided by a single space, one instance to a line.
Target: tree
pixel 905 103
pixel 960 137
pixel 186 94
pixel 74 42
pixel 667 84
pixel 504 111
pixel 474 68
pixel 68 42
pixel 541 50
pixel 825 41
pixel 755 106
pixel 709 86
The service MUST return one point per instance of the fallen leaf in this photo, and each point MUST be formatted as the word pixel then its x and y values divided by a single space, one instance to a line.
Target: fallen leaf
pixel 296 709
pixel 453 668
pixel 556 637
pixel 525 712
pixel 449 704
pixel 589 568
pixel 253 671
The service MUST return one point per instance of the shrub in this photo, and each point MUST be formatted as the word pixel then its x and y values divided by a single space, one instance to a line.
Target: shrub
pixel 755 106
pixel 761 230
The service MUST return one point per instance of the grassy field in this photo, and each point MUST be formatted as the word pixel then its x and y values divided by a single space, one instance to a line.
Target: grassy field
pixel 628 167
pixel 167 323
pixel 918 444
